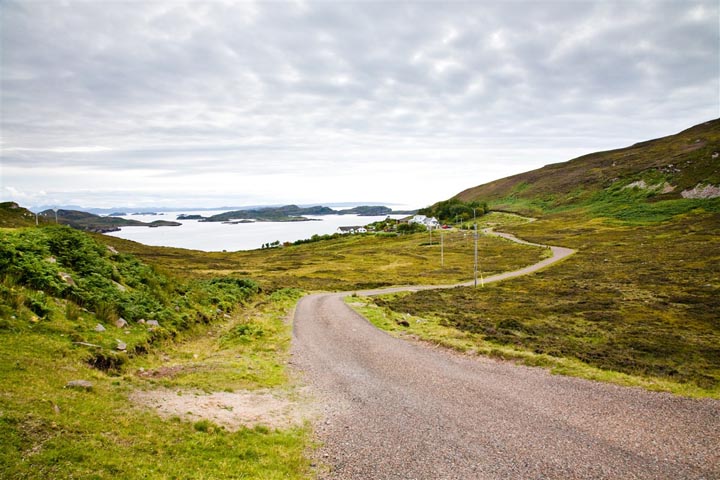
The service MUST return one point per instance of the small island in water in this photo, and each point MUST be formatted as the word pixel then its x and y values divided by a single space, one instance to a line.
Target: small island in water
pixel 290 213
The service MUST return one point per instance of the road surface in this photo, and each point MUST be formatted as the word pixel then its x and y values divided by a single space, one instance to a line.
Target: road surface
pixel 399 410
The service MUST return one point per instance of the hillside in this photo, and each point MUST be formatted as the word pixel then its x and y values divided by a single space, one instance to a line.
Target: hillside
pixel 89 333
pixel 669 168
pixel 13 215
pixel 637 304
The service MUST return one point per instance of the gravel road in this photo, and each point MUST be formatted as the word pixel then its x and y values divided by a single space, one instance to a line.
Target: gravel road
pixel 399 410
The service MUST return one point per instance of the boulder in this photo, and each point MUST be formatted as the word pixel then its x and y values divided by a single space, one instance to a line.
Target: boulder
pixel 80 385
pixel 121 323
pixel 67 278
pixel 122 346
pixel 99 328
pixel 152 323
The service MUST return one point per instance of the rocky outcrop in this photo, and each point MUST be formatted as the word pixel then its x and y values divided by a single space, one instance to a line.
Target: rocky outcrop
pixel 702 191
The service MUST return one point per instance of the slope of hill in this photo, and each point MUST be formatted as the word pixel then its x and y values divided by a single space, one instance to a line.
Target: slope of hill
pixel 638 303
pixel 681 166
pixel 13 215
pixel 85 328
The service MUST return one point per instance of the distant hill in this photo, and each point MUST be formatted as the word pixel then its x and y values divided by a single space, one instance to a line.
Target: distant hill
pixel 681 166
pixel 13 215
pixel 95 223
pixel 294 213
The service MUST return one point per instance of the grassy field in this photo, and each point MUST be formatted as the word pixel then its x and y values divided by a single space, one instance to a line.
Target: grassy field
pixel 52 431
pixel 348 263
pixel 640 298
pixel 217 336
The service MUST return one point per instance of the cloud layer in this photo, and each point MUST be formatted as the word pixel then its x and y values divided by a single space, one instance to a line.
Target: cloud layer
pixel 239 102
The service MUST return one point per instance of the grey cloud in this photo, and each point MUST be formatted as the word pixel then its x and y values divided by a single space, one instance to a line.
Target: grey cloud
pixel 190 85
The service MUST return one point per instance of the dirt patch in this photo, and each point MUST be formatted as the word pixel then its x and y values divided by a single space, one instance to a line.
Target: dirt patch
pixel 232 410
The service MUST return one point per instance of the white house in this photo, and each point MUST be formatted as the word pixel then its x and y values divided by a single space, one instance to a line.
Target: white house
pixel 428 222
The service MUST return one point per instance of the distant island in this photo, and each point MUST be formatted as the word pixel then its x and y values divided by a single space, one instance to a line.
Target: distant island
pixel 292 213
pixel 95 223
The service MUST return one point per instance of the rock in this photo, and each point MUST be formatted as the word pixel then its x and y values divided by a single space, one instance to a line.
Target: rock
pixel 702 191
pixel 121 323
pixel 80 385
pixel 119 286
pixel 112 250
pixel 67 278
pixel 141 321
pixel 153 323
pixel 99 328
pixel 122 346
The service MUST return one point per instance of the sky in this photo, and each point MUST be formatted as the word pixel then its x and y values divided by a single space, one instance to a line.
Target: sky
pixel 222 103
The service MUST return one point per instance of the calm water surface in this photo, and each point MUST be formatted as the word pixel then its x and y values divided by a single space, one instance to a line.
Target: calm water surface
pixel 216 237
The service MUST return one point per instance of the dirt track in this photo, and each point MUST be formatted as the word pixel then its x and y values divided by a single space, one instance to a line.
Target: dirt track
pixel 398 410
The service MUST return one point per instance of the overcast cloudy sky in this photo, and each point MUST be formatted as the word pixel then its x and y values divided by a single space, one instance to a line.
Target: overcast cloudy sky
pixel 138 103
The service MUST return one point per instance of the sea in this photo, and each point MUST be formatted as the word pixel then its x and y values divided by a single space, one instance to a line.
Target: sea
pixel 219 237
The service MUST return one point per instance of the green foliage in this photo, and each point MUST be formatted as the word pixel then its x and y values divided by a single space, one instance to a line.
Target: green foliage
pixel 223 293
pixel 409 228
pixel 244 333
pixel 48 337
pixel 317 238
pixel 57 262
pixel 455 210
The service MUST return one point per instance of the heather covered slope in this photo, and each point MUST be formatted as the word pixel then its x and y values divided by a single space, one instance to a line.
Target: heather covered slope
pixel 667 168
pixel 638 303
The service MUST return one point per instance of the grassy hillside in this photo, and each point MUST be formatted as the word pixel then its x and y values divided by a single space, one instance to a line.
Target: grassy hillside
pixel 638 304
pixel 660 169
pixel 73 310
pixel 12 215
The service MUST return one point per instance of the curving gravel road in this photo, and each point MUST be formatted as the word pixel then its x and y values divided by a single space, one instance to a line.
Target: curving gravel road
pixel 399 410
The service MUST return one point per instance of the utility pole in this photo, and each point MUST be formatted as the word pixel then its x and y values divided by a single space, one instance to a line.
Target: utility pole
pixel 442 249
pixel 476 242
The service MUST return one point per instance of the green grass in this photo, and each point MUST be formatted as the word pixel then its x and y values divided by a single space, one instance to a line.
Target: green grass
pixel 639 300
pixel 349 263
pixel 214 335
pixel 56 432
pixel 434 330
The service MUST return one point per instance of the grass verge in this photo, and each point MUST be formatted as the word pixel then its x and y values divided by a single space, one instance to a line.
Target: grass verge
pixel 434 330
pixel 50 430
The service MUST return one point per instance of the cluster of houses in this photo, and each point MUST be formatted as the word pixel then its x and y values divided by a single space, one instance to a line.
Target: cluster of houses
pixel 429 223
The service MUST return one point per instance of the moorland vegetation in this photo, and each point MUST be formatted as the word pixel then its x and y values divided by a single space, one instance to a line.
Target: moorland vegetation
pixel 636 305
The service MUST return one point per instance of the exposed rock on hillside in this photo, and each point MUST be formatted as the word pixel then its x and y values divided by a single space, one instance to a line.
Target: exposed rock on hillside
pixel 702 191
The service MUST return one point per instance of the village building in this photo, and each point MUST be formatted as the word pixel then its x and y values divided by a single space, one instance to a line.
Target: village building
pixel 429 223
